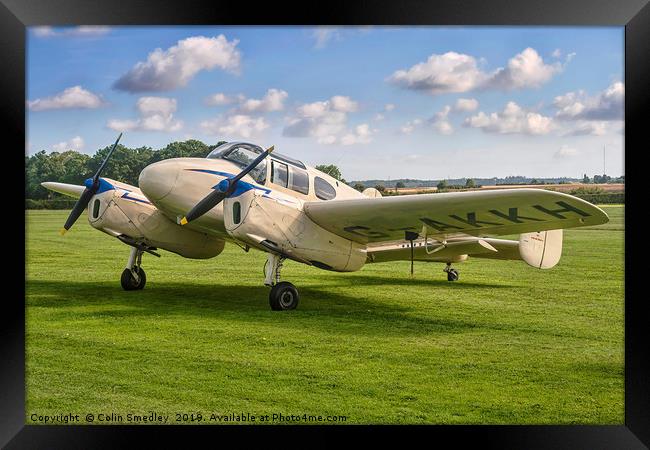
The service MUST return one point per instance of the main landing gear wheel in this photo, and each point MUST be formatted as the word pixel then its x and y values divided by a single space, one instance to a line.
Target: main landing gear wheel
pixel 452 275
pixel 283 296
pixel 131 281
pixel 133 277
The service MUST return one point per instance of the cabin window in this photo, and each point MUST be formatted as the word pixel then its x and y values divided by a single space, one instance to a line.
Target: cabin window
pixel 299 181
pixel 96 205
pixel 279 174
pixel 236 213
pixel 323 189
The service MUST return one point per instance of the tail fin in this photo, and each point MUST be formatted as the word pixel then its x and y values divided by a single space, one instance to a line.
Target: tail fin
pixel 541 250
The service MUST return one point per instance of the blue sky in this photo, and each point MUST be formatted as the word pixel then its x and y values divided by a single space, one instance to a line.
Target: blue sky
pixel 380 102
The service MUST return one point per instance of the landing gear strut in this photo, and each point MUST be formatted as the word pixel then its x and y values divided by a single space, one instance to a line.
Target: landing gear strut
pixel 452 274
pixel 133 277
pixel 283 295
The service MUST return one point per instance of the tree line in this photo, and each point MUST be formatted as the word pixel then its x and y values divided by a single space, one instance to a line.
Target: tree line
pixel 126 164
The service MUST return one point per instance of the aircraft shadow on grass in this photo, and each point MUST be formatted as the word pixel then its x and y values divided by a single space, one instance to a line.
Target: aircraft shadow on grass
pixel 247 304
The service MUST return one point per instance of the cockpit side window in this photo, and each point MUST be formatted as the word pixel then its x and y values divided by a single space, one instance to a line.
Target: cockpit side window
pixel 298 180
pixel 242 155
pixel 279 174
pixel 323 189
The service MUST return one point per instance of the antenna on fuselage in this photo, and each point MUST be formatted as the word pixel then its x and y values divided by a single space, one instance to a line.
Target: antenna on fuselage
pixel 411 236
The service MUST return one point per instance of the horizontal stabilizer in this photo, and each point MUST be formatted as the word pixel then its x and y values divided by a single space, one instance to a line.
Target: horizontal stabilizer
pixel 71 190
pixel 541 250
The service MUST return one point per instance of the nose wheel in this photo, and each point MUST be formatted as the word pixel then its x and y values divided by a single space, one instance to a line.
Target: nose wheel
pixel 284 295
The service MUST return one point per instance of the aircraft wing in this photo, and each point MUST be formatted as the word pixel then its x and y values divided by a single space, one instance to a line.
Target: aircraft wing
pixel 447 215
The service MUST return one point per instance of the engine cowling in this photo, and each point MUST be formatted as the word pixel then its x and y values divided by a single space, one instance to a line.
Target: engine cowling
pixel 114 215
pixel 541 250
pixel 279 224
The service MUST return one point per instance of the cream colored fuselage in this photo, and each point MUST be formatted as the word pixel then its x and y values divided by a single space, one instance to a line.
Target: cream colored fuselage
pixel 267 216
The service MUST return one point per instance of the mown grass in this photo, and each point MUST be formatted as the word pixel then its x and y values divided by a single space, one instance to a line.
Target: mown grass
pixel 507 344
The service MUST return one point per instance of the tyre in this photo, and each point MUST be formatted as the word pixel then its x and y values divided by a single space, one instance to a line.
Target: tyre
pixel 128 281
pixel 452 275
pixel 283 296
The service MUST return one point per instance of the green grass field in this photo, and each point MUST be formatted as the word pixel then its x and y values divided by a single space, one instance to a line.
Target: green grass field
pixel 506 344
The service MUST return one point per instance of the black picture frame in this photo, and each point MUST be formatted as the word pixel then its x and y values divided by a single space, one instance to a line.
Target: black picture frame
pixel 634 15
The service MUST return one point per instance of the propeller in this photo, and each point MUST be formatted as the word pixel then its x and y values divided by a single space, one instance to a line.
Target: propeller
pixel 87 194
pixel 222 191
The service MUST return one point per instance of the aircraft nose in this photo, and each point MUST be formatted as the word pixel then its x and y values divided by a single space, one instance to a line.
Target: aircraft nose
pixel 158 179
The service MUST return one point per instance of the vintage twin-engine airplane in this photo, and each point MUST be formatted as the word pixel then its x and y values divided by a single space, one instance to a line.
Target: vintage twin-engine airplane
pixel 254 198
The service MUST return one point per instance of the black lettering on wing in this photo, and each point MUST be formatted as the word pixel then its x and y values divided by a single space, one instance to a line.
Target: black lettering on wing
pixel 471 220
pixel 440 226
pixel 565 209
pixel 513 215
pixel 368 233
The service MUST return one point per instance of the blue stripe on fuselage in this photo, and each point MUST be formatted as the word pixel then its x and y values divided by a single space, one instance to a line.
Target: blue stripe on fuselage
pixel 126 196
pixel 240 188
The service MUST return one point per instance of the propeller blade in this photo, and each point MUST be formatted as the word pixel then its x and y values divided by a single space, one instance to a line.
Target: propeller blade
pixel 251 166
pixel 78 208
pixel 88 193
pixel 217 196
pixel 101 167
pixel 210 201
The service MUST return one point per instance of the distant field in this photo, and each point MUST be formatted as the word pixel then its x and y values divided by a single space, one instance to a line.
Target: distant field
pixel 566 187
pixel 507 344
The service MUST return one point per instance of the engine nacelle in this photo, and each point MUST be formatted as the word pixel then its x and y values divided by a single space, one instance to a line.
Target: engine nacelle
pixel 279 223
pixel 541 250
pixel 115 215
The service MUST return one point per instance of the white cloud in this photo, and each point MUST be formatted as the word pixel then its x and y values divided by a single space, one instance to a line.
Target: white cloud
pixel 443 127
pixel 362 134
pixel 324 120
pixel 156 114
pixel 237 125
pixel 606 105
pixel 440 123
pixel 526 69
pixel 272 101
pixel 466 105
pixel 220 99
pixel 556 53
pixel 583 128
pixel 343 103
pixel 169 69
pixel 76 143
pixel 565 152
pixel 410 126
pixel 454 72
pixel 388 107
pixel 72 97
pixel 513 119
pixel 441 74
pixel 323 35
pixel 47 31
